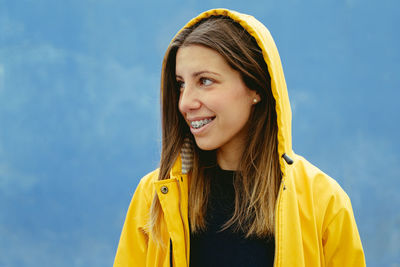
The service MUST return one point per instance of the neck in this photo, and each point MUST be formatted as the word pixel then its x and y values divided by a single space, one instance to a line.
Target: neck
pixel 228 159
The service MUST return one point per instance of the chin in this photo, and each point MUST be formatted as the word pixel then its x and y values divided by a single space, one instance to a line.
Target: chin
pixel 205 145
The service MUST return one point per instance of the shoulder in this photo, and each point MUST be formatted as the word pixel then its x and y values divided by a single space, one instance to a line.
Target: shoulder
pixel 138 211
pixel 143 196
pixel 323 210
pixel 145 188
pixel 147 181
pixel 324 193
pixel 306 174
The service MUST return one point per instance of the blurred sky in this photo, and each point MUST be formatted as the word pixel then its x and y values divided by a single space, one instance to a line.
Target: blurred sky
pixel 79 114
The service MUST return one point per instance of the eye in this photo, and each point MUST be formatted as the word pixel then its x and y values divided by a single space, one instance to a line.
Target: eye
pixel 180 85
pixel 206 81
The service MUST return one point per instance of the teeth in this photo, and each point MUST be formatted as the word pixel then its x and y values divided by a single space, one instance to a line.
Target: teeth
pixel 200 123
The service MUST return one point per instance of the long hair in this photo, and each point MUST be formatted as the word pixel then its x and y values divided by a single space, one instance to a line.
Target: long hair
pixel 258 176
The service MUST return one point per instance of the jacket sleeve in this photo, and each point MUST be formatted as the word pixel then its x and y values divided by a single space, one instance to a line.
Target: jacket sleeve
pixel 341 240
pixel 132 247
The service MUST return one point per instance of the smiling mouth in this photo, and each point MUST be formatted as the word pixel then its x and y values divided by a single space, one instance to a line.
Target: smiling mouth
pixel 201 123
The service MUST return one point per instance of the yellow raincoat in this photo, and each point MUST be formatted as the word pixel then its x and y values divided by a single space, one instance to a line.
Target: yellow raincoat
pixel 315 224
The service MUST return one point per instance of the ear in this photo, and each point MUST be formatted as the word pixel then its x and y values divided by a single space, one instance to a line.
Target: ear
pixel 256 98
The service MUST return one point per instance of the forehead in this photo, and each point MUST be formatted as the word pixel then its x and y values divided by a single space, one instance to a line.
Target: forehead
pixel 199 58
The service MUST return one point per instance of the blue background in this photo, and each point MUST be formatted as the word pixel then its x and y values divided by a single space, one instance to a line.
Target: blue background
pixel 79 114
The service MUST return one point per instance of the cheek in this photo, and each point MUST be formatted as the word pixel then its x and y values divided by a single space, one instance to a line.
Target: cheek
pixel 238 102
pixel 234 111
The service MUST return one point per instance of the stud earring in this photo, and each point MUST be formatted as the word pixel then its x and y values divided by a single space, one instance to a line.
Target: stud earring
pixel 255 100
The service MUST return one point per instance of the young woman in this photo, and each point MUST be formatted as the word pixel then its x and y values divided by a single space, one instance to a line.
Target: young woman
pixel 230 191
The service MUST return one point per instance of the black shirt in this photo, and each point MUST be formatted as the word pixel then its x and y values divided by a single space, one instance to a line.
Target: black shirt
pixel 213 247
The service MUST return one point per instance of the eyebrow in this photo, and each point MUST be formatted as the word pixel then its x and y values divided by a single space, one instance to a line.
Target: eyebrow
pixel 200 73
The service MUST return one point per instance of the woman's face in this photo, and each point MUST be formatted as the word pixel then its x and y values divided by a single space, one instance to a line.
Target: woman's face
pixel 214 100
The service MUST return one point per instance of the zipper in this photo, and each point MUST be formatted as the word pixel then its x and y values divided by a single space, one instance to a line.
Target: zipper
pixel 170 254
pixel 182 220
pixel 277 236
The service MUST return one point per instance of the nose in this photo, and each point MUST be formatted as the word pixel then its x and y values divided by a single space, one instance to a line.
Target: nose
pixel 189 99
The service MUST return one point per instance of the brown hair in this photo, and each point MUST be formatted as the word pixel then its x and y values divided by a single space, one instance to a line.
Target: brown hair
pixel 258 176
